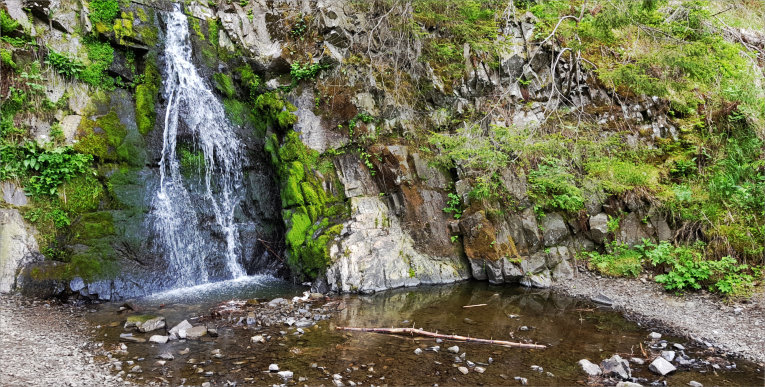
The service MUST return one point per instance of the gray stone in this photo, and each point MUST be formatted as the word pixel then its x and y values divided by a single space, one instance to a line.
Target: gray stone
pixel 13 194
pixel 694 383
pixel 180 329
pixel 273 367
pixel 453 349
pixel 258 339
pixel 159 339
pixel 661 366
pixel 669 355
pixel 69 125
pixel 76 284
pixel 152 324
pixel 542 280
pixel 418 351
pixel 534 264
pixel 678 347
pixel 277 302
pixel 632 230
pixel 603 299
pixel 628 384
pixel 616 366
pixel 554 229
pixel 166 356
pixel 18 247
pixel 599 227
pixel 196 332
pixel 637 360
pixel 464 370
pixel 563 271
pixel 521 380
pixel 286 374
pixel 480 370
pixel 590 368
pixel 654 335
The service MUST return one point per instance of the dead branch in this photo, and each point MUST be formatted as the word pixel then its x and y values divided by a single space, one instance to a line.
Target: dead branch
pixel 418 332
pixel 474 306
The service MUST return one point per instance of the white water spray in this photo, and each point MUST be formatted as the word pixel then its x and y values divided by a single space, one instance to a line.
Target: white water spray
pixel 192 103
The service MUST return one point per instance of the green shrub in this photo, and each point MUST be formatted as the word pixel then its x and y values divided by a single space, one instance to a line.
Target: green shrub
pixel 43 169
pixel 7 24
pixel 552 187
pixel 622 261
pixel 103 11
pixel 64 65
pixel 6 58
pixel 304 71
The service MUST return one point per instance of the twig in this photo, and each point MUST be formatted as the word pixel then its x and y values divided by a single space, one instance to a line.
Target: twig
pixel 418 332
pixel 474 306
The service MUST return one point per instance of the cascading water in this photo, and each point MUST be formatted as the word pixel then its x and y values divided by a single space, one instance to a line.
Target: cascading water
pixel 192 106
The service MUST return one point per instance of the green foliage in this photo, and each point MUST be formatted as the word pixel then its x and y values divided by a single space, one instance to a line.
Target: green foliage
pixel 100 57
pixel 305 71
pixel 104 138
pixel 7 24
pixel 42 169
pixel 103 11
pixel 613 223
pixel 299 27
pixel 618 176
pixel 620 262
pixel 552 187
pixel 6 58
pixel 454 205
pixel 64 65
pixel 81 194
pixel 192 162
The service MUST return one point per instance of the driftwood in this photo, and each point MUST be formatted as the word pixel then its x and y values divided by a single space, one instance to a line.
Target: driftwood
pixel 473 306
pixel 418 332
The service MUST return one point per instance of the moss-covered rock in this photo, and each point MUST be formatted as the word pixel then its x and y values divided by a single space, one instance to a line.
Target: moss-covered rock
pixel 145 97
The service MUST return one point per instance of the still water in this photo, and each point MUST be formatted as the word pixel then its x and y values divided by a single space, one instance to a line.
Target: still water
pixel 572 330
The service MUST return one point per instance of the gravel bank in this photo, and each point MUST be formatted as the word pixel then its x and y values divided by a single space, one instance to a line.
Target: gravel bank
pixel 48 344
pixel 735 328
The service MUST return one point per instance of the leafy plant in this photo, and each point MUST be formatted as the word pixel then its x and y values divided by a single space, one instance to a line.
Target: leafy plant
pixel 553 187
pixel 300 71
pixel 103 11
pixel 454 205
pixel 64 65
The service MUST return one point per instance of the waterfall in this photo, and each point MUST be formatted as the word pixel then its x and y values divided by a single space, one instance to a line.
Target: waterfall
pixel 192 107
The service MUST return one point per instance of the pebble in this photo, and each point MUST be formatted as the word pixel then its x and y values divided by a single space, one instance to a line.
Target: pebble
pixel 454 349
pixel 523 328
pixel 480 370
pixel 637 360
pixel 418 351
pixel 590 368
pixel 464 370
pixel 679 347
pixel 286 374
pixel 258 339
pixel 433 349
pixel 661 366
pixel 523 381
pixel 694 383
pixel 166 356
pixel 159 339
pixel 273 368
pixel 669 355
pixel 654 335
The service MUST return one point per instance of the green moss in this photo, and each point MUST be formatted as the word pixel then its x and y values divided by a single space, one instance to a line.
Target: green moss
pixel 213 31
pixel 100 57
pixel 224 84
pixel 192 162
pixel 148 34
pixel 292 195
pixel 237 111
pixel 6 58
pixel 145 98
pixel 94 225
pixel 81 194
pixel 299 222
pixel 103 138
pixel 123 27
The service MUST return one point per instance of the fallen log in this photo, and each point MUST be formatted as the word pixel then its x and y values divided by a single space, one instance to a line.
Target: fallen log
pixel 418 332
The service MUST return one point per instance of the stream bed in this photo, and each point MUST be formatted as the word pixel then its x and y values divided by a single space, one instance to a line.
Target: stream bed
pixel 319 354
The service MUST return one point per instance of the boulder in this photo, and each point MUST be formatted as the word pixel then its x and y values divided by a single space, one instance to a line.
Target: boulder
pixel 180 329
pixel 554 229
pixel 599 227
pixel 616 366
pixel 661 366
pixel 196 332
pixel 152 324
pixel 13 194
pixel 590 368
pixel 541 280
pixel 17 247
pixel 159 339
